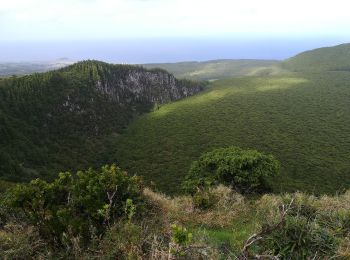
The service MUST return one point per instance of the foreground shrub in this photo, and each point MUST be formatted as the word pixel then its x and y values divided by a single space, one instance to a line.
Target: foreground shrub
pixel 181 238
pixel 77 206
pixel 300 238
pixel 297 226
pixel 244 170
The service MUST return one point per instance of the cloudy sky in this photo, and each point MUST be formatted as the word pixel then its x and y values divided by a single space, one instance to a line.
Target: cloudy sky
pixel 48 24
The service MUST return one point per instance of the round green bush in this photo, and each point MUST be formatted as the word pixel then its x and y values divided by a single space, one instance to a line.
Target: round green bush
pixel 246 171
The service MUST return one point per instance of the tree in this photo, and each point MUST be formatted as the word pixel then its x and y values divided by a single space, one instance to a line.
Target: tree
pixel 246 171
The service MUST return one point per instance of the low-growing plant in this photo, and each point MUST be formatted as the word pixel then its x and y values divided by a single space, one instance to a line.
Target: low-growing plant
pixel 294 227
pixel 180 235
pixel 300 238
pixel 130 209
pixel 181 238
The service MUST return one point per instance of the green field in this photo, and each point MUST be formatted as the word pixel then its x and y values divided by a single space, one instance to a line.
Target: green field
pixel 303 119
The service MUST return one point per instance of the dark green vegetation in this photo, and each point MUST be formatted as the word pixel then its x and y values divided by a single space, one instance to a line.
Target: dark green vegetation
pixel 63 120
pixel 80 205
pixel 301 119
pixel 246 171
pixel 322 59
pixel 219 69
pixel 107 214
pixel 75 117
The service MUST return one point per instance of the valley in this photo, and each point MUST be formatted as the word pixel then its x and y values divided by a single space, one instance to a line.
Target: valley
pixel 304 120
pixel 286 170
pixel 299 115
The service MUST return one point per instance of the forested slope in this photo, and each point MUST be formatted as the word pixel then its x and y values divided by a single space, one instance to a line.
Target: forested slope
pixel 62 119
pixel 304 120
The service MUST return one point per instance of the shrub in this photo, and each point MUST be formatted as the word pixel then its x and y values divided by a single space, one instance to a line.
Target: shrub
pixel 300 238
pixel 180 235
pixel 77 205
pixel 181 238
pixel 244 170
pixel 294 227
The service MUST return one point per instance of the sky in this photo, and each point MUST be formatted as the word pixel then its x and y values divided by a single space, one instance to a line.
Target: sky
pixel 137 31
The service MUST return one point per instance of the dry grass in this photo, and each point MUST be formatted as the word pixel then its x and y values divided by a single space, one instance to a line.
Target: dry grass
pixel 181 209
pixel 334 203
pixel 20 242
pixel 232 217
pixel 344 249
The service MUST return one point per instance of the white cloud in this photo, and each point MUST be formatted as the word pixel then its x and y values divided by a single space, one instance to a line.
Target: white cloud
pixel 100 19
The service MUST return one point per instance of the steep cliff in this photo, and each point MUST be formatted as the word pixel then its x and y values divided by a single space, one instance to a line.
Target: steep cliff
pixel 63 120
pixel 134 82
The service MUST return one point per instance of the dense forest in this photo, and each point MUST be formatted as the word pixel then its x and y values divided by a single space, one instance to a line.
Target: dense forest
pixel 63 119
pixel 303 119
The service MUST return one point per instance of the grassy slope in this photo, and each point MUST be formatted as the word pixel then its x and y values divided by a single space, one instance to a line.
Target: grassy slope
pixel 304 120
pixel 322 59
pixel 218 69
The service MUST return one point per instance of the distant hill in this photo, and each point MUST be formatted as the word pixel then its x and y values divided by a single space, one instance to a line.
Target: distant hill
pixel 62 119
pixel 218 69
pixel 335 58
pixel 206 70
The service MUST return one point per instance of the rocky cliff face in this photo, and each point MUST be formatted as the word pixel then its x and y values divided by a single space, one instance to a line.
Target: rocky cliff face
pixel 118 92
pixel 136 83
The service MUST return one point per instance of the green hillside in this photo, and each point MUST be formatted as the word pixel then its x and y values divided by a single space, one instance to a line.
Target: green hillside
pixel 218 69
pixel 62 120
pixel 304 120
pixel 322 59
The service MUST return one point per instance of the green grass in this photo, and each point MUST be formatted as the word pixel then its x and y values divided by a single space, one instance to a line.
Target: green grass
pixel 231 238
pixel 219 69
pixel 303 120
